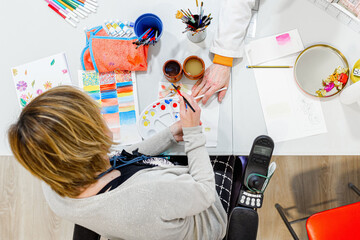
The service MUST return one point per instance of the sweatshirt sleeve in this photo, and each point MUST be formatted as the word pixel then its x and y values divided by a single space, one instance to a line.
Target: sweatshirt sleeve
pixel 234 19
pixel 153 145
pixel 192 193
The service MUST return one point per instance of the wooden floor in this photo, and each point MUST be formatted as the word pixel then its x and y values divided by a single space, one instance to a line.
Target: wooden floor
pixel 302 185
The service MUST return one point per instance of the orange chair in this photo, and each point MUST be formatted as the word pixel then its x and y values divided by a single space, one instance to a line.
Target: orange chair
pixel 341 223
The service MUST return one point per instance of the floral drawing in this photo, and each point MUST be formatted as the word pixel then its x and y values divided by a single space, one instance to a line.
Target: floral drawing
pixel 47 85
pixel 29 97
pixel 21 86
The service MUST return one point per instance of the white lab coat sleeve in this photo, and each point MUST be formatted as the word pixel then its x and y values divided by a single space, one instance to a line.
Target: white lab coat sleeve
pixel 234 19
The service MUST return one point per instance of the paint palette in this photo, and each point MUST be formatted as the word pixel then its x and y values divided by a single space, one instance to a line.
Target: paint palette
pixel 158 116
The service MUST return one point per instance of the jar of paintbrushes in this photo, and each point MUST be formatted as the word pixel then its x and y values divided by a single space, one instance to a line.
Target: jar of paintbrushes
pixel 196 24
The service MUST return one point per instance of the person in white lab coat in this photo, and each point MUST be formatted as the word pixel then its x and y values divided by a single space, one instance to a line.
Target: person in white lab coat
pixel 228 44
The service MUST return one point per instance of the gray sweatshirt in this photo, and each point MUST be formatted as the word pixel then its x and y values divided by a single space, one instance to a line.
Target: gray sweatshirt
pixel 163 202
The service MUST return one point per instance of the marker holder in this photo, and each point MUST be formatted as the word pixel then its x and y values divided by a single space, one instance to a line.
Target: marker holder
pixel 146 21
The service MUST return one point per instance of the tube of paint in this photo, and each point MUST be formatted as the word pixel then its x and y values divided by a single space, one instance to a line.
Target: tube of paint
pixel 129 24
pixel 117 28
pixel 128 30
pixel 110 28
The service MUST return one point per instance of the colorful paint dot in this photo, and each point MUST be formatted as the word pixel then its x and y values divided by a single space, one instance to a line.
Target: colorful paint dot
pixel 163 87
pixel 170 100
pixel 144 117
pixel 162 107
pixel 175 105
pixel 176 116
pixel 167 101
pixel 152 113
pixel 146 123
pixel 158 103
pixel 154 106
pixel 146 112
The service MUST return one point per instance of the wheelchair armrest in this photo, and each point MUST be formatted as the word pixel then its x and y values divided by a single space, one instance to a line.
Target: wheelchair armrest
pixel 243 224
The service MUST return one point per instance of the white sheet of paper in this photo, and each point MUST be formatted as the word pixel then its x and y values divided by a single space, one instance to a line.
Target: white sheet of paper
pixel 210 120
pixel 209 113
pixel 289 113
pixel 33 78
pixel 273 47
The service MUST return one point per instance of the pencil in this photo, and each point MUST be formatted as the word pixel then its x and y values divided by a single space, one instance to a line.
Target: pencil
pixel 186 101
pixel 269 66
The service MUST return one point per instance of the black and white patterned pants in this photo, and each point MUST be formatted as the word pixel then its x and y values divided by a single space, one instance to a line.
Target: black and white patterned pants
pixel 223 168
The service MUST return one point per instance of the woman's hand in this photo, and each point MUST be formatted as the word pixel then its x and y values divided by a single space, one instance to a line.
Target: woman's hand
pixel 176 130
pixel 216 77
pixel 188 117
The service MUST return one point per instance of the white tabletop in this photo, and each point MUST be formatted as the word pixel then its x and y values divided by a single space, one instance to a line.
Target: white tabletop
pixel 32 31
pixel 315 26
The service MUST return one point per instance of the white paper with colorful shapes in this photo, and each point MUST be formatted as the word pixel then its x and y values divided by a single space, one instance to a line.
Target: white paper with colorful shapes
pixel 116 93
pixel 34 78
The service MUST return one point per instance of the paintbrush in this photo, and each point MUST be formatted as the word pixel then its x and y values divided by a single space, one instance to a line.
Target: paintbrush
pixel 201 96
pixel 187 102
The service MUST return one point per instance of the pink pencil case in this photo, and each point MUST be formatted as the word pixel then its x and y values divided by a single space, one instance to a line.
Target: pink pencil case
pixel 106 54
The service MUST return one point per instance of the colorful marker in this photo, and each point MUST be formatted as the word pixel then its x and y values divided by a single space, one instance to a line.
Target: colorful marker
pixel 62 11
pixel 92 2
pixel 62 15
pixel 76 6
pixel 84 6
pixel 70 5
pixel 67 9
pixel 82 15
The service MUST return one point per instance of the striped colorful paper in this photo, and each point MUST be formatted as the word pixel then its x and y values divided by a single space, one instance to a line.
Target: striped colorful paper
pixel 116 93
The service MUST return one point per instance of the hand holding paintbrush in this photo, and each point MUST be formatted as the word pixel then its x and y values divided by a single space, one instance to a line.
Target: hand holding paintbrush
pixel 189 118
pixel 186 101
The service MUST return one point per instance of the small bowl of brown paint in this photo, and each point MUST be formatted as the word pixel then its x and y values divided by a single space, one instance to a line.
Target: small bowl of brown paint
pixel 172 70
pixel 194 67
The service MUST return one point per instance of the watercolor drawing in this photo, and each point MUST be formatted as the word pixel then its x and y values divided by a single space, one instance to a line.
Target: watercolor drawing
pixel 34 78
pixel 167 90
pixel 116 93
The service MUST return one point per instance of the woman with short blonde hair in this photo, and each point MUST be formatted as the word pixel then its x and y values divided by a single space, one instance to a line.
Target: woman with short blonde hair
pixel 61 138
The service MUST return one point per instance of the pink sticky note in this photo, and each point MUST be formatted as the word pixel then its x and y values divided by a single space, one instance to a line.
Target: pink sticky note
pixel 283 39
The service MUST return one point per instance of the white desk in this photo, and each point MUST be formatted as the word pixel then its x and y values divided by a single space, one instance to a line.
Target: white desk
pixel 32 31
pixel 315 26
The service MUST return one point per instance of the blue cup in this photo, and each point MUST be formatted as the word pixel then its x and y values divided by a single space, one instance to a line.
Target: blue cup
pixel 146 21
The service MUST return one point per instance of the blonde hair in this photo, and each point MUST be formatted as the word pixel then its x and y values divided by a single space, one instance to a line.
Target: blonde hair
pixel 60 138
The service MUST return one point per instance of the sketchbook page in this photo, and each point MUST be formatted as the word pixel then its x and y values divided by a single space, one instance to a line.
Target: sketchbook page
pixel 33 78
pixel 289 114
pixel 274 47
pixel 210 120
pixel 209 113
pixel 128 107
pixel 116 93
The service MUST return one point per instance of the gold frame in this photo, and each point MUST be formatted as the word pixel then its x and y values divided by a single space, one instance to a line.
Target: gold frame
pixel 332 48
